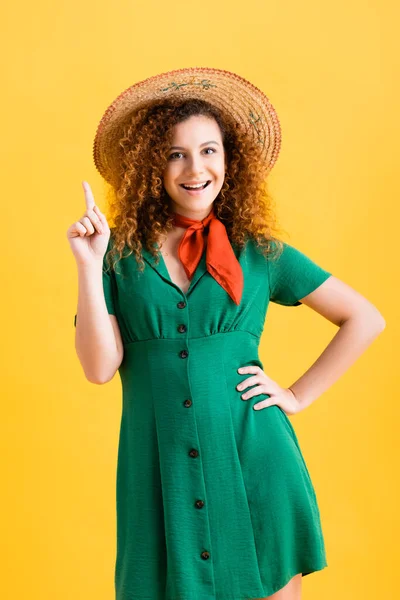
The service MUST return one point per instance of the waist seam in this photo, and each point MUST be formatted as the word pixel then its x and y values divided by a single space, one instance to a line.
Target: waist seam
pixel 201 337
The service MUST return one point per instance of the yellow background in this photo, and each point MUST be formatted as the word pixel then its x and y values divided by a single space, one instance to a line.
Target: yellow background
pixel 331 71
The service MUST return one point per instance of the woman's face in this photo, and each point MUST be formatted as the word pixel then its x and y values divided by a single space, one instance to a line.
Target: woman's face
pixel 196 156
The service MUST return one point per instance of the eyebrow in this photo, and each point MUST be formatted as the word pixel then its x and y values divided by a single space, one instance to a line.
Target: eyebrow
pixel 201 145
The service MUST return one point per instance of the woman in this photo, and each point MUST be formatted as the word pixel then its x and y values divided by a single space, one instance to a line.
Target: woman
pixel 214 499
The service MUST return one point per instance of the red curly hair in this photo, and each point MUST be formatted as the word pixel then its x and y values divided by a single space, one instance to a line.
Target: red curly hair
pixel 139 205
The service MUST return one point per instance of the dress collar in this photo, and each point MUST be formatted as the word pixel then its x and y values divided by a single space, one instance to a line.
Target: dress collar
pixel 162 271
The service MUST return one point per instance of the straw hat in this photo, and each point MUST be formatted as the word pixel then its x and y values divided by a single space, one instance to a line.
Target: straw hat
pixel 248 105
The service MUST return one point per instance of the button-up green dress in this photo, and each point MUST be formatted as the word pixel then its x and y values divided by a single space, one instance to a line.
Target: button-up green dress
pixel 214 499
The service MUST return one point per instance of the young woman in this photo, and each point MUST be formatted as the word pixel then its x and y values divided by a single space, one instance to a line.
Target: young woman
pixel 214 499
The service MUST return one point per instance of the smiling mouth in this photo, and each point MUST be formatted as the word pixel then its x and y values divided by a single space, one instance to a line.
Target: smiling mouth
pixel 202 187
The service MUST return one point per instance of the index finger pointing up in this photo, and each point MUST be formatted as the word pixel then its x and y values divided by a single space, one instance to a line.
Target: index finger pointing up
pixel 89 200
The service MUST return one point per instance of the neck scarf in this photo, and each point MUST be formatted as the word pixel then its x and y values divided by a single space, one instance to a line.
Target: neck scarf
pixel 221 261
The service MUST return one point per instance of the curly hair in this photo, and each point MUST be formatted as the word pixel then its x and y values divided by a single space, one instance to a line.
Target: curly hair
pixel 139 205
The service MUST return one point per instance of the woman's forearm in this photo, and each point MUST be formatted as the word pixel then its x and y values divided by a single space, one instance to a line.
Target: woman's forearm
pixel 352 339
pixel 95 341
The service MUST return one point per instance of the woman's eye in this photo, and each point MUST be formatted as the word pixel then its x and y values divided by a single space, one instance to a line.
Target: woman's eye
pixel 173 155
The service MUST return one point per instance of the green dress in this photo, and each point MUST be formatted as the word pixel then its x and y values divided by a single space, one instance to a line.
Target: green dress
pixel 214 499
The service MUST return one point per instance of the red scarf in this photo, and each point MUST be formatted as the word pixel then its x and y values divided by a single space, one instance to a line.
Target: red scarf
pixel 221 261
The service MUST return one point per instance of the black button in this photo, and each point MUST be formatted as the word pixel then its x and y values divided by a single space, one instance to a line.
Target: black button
pixel 183 353
pixel 181 304
pixel 199 504
pixel 182 328
pixel 193 453
pixel 205 555
pixel 187 403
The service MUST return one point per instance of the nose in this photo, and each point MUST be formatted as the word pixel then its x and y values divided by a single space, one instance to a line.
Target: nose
pixel 194 166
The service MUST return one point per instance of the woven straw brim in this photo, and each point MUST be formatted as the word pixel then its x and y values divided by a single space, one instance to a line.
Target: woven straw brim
pixel 228 91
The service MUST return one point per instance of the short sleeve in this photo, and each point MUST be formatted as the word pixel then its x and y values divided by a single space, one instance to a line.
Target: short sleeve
pixel 293 275
pixel 108 285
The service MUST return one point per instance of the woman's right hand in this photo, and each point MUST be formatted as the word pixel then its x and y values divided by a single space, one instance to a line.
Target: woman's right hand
pixel 89 236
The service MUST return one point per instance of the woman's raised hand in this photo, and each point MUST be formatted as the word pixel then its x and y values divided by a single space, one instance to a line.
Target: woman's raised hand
pixel 89 236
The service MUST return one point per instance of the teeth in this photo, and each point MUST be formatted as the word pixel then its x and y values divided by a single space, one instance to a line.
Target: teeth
pixel 194 187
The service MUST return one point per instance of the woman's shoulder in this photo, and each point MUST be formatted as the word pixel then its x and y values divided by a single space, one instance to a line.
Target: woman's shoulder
pixel 268 247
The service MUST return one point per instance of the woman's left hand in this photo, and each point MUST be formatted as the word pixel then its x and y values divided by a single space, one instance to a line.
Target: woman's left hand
pixel 282 397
